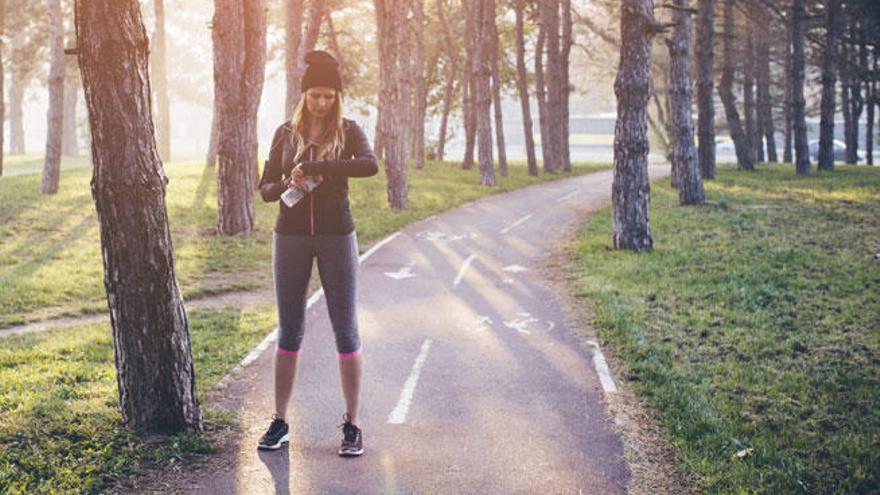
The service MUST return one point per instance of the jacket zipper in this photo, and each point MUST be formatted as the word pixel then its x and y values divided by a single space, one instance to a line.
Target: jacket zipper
pixel 312 200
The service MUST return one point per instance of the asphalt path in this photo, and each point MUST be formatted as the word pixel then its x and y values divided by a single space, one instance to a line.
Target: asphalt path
pixel 473 381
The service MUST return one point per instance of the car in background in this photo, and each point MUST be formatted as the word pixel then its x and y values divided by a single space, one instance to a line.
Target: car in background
pixel 839 151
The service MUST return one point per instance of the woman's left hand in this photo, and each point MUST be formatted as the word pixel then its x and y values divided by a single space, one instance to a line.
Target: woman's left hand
pixel 298 178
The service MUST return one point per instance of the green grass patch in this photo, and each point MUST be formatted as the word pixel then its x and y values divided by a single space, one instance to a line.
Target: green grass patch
pixel 50 260
pixel 59 416
pixel 754 326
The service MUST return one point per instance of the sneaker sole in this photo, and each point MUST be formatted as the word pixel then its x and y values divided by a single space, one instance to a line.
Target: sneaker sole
pixel 350 453
pixel 276 446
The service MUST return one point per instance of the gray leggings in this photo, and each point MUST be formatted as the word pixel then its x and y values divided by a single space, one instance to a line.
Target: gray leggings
pixel 337 265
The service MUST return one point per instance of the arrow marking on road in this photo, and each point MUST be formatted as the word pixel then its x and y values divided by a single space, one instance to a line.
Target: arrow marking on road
pixel 463 269
pixel 398 415
pixel 404 272
pixel 516 224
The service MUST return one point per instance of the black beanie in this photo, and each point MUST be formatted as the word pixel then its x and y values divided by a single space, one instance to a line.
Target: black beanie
pixel 321 70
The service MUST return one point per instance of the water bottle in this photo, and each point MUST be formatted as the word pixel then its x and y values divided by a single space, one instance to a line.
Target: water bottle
pixel 293 194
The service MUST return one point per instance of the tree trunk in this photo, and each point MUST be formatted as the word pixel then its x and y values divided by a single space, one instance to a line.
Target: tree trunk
pixel 69 137
pixel 391 34
pixel 787 130
pixel 159 80
pixel 239 36
pixel 829 82
pixel 631 189
pixel 872 103
pixel 467 84
pixel 565 84
pixel 765 103
pixel 421 91
pixel 55 116
pixel 799 123
pixel 485 13
pixel 752 136
pixel 495 43
pixel 856 100
pixel 744 158
pixel 706 88
pixel 523 88
pixel 541 96
pixel 684 156
pixel 2 81
pixel 293 24
pixel 554 112
pixel 452 72
pixel 310 40
pixel 155 376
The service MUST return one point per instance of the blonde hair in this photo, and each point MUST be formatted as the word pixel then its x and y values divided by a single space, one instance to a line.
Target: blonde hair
pixel 332 140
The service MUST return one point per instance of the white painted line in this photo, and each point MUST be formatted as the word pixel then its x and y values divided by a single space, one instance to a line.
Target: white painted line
pixel 514 268
pixel 404 272
pixel 273 335
pixel 398 415
pixel 602 368
pixel 515 224
pixel 567 196
pixel 463 269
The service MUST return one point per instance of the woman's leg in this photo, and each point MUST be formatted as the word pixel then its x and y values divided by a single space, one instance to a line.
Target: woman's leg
pixel 337 265
pixel 292 268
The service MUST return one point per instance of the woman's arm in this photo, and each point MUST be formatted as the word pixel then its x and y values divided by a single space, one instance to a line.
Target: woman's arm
pixel 271 183
pixel 364 163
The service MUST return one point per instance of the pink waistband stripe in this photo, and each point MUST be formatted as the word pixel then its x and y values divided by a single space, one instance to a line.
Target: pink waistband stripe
pixel 285 352
pixel 349 355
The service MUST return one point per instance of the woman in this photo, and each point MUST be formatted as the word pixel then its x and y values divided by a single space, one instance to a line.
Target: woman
pixel 317 147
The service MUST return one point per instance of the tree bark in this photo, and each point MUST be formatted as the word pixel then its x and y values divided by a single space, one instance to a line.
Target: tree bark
pixel 391 43
pixel 293 37
pixel 752 137
pixel 765 103
pixel 155 376
pixel 2 79
pixel 467 84
pixel 565 84
pixel 856 100
pixel 452 72
pixel 55 115
pixel 485 13
pixel 872 103
pixel 523 88
pixel 554 111
pixel 684 156
pixel 631 189
pixel 799 123
pixel 829 82
pixel 787 155
pixel 421 92
pixel 744 158
pixel 497 83
pixel 541 95
pixel 159 75
pixel 706 88
pixel 239 36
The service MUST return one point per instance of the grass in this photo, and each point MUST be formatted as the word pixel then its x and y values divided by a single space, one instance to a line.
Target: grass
pixel 59 415
pixel 50 261
pixel 59 418
pixel 754 327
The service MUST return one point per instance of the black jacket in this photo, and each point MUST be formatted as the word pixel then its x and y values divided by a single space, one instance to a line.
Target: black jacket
pixel 325 210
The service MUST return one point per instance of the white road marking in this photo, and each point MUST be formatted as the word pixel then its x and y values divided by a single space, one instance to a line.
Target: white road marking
pixel 398 415
pixel 602 368
pixel 514 268
pixel 516 224
pixel 437 236
pixel 520 324
pixel 463 269
pixel 377 246
pixel 404 272
pixel 567 196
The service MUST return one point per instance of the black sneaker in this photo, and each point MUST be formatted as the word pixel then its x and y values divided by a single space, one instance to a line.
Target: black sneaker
pixel 352 441
pixel 276 435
